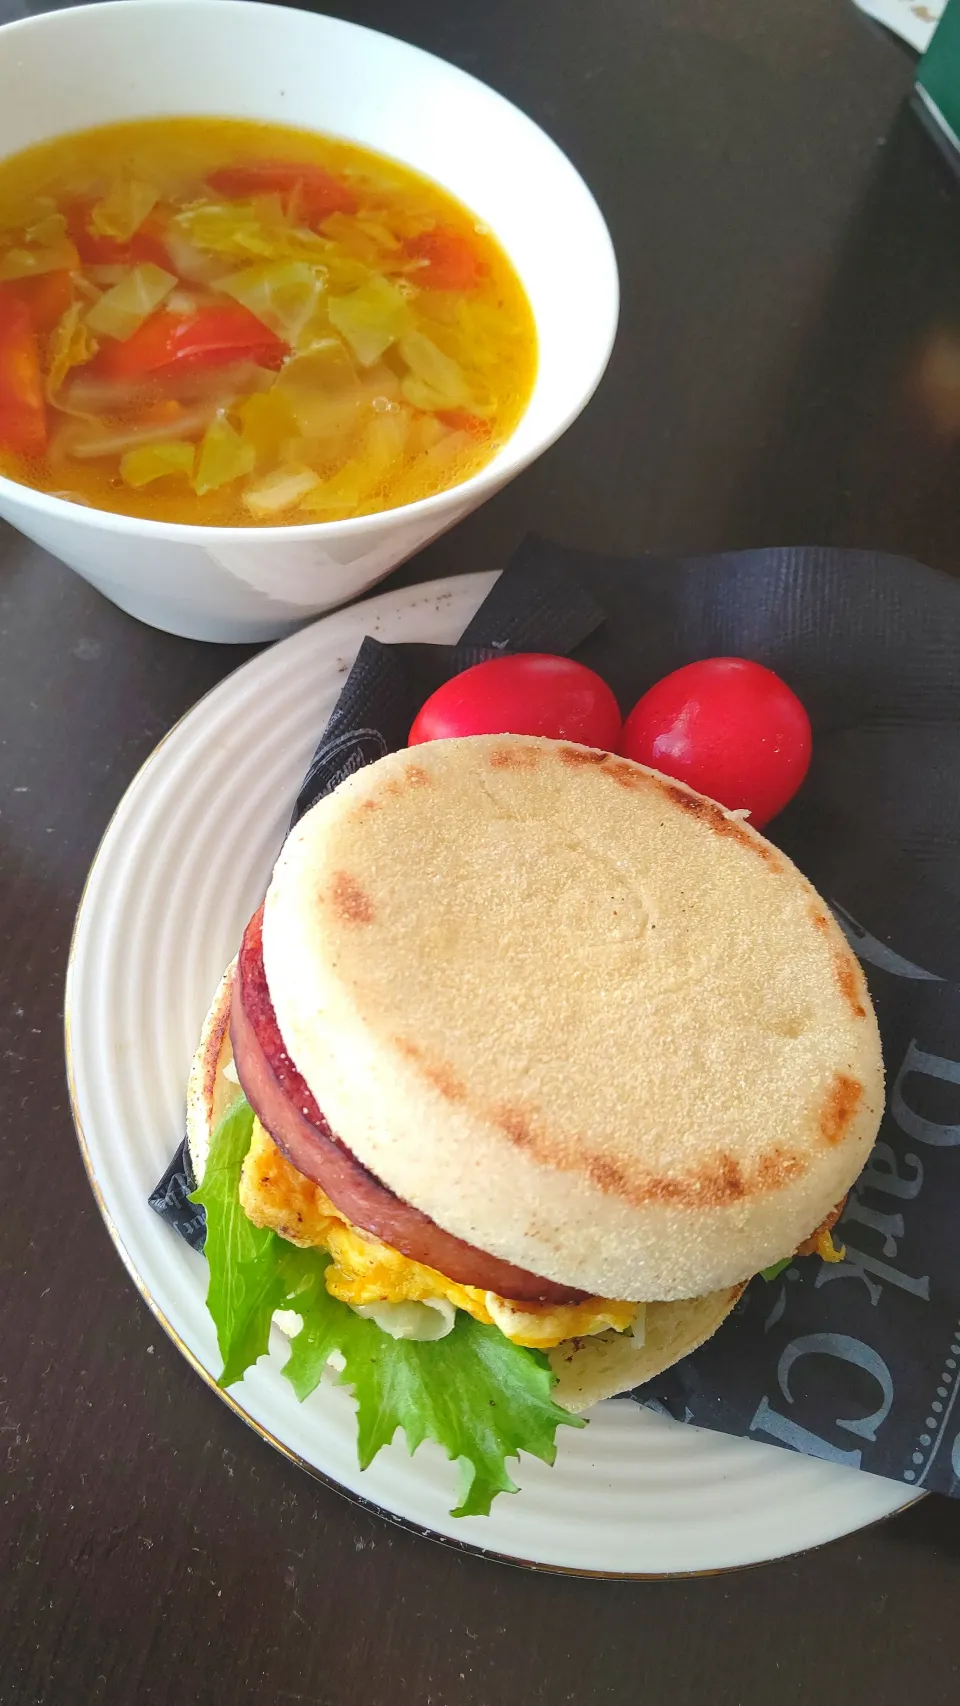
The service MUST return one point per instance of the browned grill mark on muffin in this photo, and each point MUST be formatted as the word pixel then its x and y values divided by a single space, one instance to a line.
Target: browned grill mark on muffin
pixel 519 1128
pixel 839 1107
pixel 574 756
pixel 730 1183
pixel 350 904
pixel 848 982
pixel 607 1176
pixel 716 819
pixel 214 1046
pixel 626 775
pixel 778 1168
pixel 437 1072
pixel 713 1185
pixel 619 770
pixel 845 968
pixel 514 758
pixel 446 1081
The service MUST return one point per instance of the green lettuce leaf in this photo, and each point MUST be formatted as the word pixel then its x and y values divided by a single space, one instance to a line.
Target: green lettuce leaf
pixel 246 1282
pixel 480 1397
pixel 477 1395
pixel 775 1269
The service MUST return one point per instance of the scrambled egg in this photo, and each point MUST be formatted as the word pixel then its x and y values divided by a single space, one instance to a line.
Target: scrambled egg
pixel 366 1273
pixel 827 1249
pixel 820 1242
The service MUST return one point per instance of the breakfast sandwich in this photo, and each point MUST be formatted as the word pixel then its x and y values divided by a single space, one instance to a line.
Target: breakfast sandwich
pixel 530 1060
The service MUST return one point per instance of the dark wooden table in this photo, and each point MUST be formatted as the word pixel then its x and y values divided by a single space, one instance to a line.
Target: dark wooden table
pixel 787 371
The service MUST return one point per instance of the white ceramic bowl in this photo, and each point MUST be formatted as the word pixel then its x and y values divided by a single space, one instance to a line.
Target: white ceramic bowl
pixel 68 70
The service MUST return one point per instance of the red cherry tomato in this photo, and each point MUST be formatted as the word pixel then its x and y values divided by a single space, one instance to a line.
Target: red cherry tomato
pixel 530 693
pixel 729 728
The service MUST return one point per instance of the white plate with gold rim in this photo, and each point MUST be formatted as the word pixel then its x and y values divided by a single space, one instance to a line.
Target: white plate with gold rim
pixel 182 866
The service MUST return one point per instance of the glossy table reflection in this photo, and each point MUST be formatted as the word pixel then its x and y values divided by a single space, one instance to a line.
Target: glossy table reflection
pixel 788 370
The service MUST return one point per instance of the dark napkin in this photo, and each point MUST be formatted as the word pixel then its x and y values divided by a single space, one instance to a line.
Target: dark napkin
pixel 856 1362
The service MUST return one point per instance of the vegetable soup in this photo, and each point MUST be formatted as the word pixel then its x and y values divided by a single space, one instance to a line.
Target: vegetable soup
pixel 220 322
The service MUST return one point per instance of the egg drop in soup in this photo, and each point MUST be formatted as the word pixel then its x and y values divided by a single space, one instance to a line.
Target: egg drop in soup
pixel 225 323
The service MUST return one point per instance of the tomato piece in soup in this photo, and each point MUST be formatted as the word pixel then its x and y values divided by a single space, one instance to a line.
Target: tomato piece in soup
pixel 461 420
pixel 318 192
pixel 96 251
pixel 46 298
pixel 450 261
pixel 23 414
pixel 210 337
